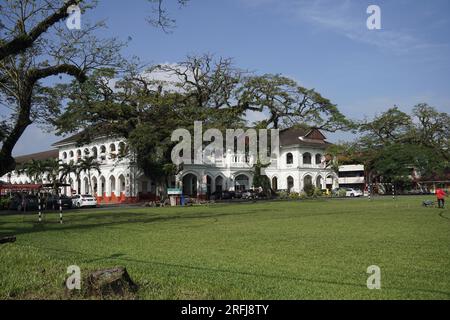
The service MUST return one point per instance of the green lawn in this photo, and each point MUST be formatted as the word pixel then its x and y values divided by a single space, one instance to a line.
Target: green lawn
pixel 270 250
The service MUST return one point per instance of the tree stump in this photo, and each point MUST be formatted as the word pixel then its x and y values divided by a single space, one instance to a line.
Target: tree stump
pixel 109 282
pixel 9 239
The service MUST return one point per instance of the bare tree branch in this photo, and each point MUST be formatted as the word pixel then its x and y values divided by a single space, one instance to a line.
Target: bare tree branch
pixel 25 40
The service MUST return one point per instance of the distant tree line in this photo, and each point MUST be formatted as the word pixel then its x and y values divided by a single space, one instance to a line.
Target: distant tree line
pixel 393 143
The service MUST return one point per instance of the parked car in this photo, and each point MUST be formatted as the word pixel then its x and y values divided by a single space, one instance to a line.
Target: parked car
pixel 52 202
pixel 216 195
pixel 228 195
pixel 254 194
pixel 249 194
pixel 84 200
pixel 350 192
pixel 23 203
pixel 238 194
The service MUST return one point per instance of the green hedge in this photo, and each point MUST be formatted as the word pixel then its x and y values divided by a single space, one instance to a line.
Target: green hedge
pixel 4 203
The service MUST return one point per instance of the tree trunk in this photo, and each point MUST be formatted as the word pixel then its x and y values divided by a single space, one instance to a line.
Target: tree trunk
pixel 7 162
pixel 90 183
pixel 110 282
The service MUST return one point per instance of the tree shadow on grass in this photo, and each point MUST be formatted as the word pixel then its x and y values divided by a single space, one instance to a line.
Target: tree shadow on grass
pixel 122 258
pixel 88 222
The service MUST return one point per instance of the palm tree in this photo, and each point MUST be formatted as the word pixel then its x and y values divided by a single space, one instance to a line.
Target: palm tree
pixel 66 169
pixel 53 168
pixel 86 165
pixel 34 169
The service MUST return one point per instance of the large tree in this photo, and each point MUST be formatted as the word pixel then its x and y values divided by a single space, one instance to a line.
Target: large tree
pixel 393 143
pixel 146 110
pixel 287 104
pixel 36 45
pixel 431 129
pixel 23 22
pixel 18 34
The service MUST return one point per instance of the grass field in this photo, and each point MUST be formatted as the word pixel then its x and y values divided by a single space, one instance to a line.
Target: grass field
pixel 269 250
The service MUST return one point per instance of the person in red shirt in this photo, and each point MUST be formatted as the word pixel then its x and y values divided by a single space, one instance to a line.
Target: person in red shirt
pixel 440 194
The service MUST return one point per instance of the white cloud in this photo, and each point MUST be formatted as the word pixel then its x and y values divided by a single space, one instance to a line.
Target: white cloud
pixel 348 19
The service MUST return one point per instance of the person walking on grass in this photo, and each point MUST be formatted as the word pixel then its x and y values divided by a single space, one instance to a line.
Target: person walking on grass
pixel 440 194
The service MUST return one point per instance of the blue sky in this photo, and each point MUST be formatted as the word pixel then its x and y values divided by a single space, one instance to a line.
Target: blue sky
pixel 322 44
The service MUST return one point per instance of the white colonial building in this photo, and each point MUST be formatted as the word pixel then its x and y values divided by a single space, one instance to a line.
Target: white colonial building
pixel 118 180
pixel 300 162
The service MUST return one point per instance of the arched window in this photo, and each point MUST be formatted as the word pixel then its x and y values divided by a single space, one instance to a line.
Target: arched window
pixel 190 185
pixel 289 158
pixel 122 184
pixel 319 182
pixel 241 183
pixel 112 151
pixel 86 186
pixel 102 153
pixel 318 158
pixel 94 152
pixel 219 186
pixel 307 158
pixel 275 183
pixel 102 186
pixel 64 155
pixel 290 183
pixel 94 186
pixel 71 154
pixel 307 180
pixel 78 154
pixel 112 185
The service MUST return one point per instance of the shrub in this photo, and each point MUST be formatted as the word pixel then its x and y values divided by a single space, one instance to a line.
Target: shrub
pixel 318 192
pixel 282 195
pixel 342 192
pixel 294 196
pixel 303 195
pixel 4 203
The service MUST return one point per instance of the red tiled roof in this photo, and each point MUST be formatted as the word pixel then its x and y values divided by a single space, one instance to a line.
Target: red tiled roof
pixel 301 136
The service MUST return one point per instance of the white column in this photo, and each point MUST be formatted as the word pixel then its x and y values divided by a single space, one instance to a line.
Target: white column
pixel 99 187
pixel 117 186
pixel 83 186
pixel 108 186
